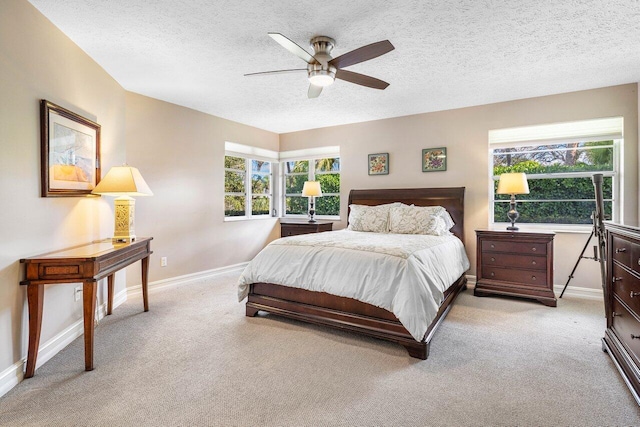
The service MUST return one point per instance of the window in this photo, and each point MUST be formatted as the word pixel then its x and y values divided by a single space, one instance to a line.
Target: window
pixel 247 187
pixel 324 170
pixel 560 186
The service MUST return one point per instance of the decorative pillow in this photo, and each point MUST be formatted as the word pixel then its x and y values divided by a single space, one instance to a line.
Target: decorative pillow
pixel 370 218
pixel 434 220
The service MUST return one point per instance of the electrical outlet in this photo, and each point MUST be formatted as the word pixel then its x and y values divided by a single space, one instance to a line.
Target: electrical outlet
pixel 163 261
pixel 77 293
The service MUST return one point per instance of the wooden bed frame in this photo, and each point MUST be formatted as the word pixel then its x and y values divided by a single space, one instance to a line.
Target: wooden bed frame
pixel 352 315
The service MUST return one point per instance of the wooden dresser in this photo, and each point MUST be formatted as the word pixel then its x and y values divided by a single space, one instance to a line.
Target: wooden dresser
pixel 515 263
pixel 294 227
pixel 622 303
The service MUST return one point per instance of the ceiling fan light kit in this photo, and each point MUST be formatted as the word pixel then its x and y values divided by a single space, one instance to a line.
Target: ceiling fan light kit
pixel 322 69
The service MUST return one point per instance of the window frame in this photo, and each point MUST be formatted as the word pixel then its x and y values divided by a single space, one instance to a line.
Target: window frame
pixel 615 174
pixel 248 193
pixel 311 175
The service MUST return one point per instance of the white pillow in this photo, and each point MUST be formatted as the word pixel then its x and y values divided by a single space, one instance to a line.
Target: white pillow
pixel 434 220
pixel 373 219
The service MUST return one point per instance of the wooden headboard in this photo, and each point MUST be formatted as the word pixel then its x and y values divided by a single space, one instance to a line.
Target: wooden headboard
pixel 451 199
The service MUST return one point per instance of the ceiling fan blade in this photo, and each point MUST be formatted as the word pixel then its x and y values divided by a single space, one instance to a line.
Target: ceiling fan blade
pixel 361 79
pixel 314 91
pixel 262 73
pixel 292 47
pixel 362 54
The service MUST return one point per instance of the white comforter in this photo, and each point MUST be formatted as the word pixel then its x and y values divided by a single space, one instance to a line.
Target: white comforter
pixel 403 273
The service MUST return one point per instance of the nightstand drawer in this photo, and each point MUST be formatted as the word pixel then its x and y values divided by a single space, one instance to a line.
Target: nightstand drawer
pixel 514 247
pixel 294 231
pixel 296 228
pixel 626 252
pixel 511 275
pixel 626 327
pixel 517 261
pixel 625 286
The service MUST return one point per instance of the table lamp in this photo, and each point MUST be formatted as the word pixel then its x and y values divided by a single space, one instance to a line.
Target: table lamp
pixel 513 183
pixel 123 182
pixel 312 189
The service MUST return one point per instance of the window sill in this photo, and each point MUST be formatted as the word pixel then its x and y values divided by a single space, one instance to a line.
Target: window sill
pixel 555 228
pixel 246 218
pixel 323 217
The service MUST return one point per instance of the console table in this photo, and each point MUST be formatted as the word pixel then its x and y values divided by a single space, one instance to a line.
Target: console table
pixel 86 264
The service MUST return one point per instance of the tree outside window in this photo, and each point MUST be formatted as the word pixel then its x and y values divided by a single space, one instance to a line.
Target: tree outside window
pixel 560 184
pixel 326 171
pixel 247 194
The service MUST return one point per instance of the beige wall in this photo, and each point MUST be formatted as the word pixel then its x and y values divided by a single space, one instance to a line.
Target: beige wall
pixel 180 153
pixel 38 62
pixel 464 132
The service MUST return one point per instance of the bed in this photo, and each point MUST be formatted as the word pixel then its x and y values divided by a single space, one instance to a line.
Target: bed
pixel 322 308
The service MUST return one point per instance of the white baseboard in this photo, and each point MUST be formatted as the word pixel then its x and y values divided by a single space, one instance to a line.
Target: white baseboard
pixel 186 279
pixel 572 291
pixel 11 376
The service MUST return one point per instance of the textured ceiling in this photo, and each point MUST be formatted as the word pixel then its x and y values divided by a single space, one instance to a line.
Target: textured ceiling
pixel 449 54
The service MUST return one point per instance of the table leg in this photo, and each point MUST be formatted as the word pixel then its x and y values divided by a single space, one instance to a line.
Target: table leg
pixel 35 297
pixel 89 304
pixel 145 279
pixel 110 280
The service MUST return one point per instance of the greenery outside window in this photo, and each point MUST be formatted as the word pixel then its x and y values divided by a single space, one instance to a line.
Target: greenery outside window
pixel 560 184
pixel 247 187
pixel 324 170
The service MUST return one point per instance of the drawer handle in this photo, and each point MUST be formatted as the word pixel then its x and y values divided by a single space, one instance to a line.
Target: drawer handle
pixel 616 279
pixel 493 246
pixel 619 250
pixel 493 274
pixel 533 277
pixel 614 314
pixel 493 259
pixel 534 249
pixel 638 261
pixel 634 337
pixel 534 263
pixel 634 294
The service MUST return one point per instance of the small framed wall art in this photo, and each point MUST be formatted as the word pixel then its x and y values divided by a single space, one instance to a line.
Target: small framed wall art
pixel 434 159
pixel 379 164
pixel 69 152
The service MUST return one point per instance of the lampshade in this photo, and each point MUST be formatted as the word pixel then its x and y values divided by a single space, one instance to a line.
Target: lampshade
pixel 513 183
pixel 312 189
pixel 123 181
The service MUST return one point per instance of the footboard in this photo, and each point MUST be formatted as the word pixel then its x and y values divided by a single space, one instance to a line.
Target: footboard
pixel 345 313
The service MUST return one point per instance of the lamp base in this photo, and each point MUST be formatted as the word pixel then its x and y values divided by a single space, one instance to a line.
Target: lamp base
pixel 124 230
pixel 512 228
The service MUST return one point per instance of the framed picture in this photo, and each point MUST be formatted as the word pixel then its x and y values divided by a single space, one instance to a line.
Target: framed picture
pixel 69 152
pixel 434 159
pixel 379 164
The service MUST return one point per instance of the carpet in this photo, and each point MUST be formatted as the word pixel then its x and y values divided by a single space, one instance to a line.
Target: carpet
pixel 195 359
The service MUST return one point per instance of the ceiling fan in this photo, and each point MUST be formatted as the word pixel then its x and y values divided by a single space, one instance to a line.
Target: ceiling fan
pixel 322 69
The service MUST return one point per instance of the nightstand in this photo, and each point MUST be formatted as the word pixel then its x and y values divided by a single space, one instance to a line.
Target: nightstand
pixel 515 263
pixel 292 227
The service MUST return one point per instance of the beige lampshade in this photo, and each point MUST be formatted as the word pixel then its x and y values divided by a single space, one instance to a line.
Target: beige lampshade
pixel 123 181
pixel 513 183
pixel 312 188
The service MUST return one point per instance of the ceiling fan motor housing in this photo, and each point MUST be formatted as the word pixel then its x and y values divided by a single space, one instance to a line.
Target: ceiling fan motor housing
pixel 321 73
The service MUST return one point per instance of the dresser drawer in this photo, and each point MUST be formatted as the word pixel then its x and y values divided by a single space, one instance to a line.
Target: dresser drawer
pixel 511 275
pixel 514 247
pixel 626 326
pixel 626 252
pixel 516 261
pixel 624 285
